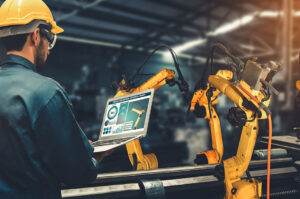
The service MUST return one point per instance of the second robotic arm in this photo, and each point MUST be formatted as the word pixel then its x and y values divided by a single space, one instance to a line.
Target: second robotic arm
pixel 202 106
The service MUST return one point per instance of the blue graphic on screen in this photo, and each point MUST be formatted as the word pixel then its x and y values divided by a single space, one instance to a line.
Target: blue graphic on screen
pixel 112 113
pixel 122 113
pixel 137 113
pixel 126 115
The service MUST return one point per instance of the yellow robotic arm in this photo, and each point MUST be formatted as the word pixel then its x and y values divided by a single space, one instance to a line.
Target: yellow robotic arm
pixel 139 160
pixel 249 96
pixel 202 105
pixel 249 113
pixel 249 89
pixel 140 113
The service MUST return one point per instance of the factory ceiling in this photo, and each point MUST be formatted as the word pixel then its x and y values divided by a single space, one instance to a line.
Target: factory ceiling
pixel 248 27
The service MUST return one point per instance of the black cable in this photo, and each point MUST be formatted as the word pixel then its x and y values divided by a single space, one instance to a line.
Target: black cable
pixel 266 95
pixel 214 99
pixel 209 94
pixel 212 59
pixel 183 86
pixel 209 63
pixel 209 107
pixel 235 59
pixel 152 53
pixel 145 74
pixel 201 84
pixel 249 176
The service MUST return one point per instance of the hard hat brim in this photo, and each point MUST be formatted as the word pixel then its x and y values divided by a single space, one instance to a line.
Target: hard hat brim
pixel 28 28
pixel 20 29
pixel 56 29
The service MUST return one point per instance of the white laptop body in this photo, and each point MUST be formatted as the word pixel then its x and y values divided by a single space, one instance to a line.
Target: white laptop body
pixel 125 119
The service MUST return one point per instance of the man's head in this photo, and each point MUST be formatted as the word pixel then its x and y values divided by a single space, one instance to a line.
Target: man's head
pixel 27 28
pixel 35 43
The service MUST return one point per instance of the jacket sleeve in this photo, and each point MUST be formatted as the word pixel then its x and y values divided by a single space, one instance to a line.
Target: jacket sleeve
pixel 65 149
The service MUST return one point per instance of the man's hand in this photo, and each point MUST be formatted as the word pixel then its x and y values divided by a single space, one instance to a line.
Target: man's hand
pixel 100 156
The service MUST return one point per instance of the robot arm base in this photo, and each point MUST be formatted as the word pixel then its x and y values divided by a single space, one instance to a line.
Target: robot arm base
pixel 207 157
pixel 138 160
pixel 245 188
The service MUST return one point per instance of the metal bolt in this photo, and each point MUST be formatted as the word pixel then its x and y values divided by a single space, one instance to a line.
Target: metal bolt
pixel 233 191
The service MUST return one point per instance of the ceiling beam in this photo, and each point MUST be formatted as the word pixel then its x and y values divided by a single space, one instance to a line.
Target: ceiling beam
pixel 174 25
pixel 97 29
pixel 113 18
pixel 143 13
pixel 78 10
pixel 93 38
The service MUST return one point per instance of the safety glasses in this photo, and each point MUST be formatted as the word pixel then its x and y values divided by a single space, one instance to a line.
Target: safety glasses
pixel 49 36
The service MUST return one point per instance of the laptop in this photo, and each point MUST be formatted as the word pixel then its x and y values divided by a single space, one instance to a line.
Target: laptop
pixel 125 119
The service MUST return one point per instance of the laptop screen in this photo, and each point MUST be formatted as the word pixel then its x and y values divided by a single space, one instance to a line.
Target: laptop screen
pixel 127 114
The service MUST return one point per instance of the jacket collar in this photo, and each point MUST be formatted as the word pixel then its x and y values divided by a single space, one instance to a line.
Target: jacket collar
pixel 16 59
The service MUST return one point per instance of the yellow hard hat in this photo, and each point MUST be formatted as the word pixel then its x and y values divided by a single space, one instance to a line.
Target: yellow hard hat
pixel 22 12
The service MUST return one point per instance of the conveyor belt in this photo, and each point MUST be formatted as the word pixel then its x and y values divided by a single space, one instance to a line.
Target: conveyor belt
pixel 125 184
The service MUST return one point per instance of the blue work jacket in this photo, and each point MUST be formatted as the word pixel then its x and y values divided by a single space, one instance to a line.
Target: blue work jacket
pixel 41 143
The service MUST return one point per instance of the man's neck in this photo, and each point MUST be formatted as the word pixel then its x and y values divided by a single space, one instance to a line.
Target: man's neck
pixel 27 56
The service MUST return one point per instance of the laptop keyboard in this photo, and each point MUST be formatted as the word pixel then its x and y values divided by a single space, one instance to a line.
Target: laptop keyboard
pixel 108 142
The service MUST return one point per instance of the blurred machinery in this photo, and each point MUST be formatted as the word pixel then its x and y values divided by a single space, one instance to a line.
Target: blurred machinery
pixel 83 94
pixel 202 106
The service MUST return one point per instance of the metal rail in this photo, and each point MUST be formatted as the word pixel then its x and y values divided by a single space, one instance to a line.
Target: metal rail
pixel 183 184
pixel 286 142
pixel 125 184
pixel 179 172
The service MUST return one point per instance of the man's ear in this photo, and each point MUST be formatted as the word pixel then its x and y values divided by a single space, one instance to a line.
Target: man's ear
pixel 35 37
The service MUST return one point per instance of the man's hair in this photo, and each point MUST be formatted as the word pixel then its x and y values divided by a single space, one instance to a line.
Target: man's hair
pixel 15 42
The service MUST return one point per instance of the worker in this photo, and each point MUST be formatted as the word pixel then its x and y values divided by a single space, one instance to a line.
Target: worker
pixel 41 143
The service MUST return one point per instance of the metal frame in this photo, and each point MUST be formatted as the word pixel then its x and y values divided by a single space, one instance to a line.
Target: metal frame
pixel 125 184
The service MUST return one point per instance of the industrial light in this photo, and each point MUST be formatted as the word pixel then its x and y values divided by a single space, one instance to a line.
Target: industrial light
pixel 189 45
pixel 297 14
pixel 220 30
pixel 228 27
pixel 271 14
pixel 274 14
pixel 235 24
